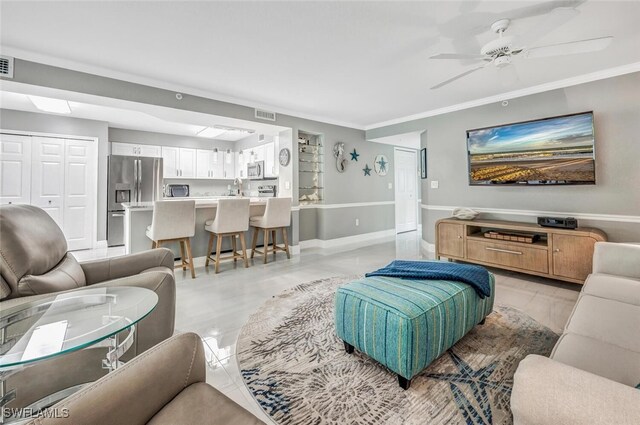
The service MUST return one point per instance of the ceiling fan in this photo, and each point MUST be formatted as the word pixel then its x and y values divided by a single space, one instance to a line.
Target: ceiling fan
pixel 503 49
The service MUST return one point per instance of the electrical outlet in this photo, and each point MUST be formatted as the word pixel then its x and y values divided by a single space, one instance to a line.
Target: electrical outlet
pixel 287 185
pixel 390 185
pixel 434 184
pixel 357 222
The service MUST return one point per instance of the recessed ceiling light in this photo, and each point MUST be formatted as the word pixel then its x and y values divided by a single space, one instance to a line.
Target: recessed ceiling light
pixel 234 129
pixel 47 104
pixel 210 132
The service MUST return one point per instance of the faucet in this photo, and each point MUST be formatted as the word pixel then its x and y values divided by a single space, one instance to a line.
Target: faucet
pixel 238 182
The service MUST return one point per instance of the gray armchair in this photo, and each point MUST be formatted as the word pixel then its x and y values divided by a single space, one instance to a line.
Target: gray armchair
pixel 165 385
pixel 34 263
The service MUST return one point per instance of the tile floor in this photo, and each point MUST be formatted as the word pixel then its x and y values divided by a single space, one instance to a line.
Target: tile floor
pixel 217 306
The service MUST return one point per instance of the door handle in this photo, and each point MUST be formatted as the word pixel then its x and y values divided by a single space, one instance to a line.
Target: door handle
pixel 117 215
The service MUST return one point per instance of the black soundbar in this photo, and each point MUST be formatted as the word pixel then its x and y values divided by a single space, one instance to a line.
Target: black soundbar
pixel 561 222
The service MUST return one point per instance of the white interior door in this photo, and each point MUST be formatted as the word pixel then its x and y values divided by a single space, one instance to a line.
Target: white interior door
pixel 406 165
pixel 79 203
pixel 47 176
pixel 15 169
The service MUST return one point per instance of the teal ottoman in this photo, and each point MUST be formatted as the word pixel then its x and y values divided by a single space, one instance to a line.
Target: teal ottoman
pixel 406 324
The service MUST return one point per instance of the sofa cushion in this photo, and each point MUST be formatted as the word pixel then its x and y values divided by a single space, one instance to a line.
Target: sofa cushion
pixel 31 243
pixel 609 321
pixel 67 274
pixel 202 404
pixel 597 357
pixel 5 289
pixel 617 288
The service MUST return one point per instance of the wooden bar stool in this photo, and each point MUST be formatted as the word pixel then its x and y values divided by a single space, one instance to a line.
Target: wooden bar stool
pixel 232 219
pixel 174 221
pixel 277 216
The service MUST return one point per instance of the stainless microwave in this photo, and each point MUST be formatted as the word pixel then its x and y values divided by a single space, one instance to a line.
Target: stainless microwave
pixel 255 170
pixel 177 191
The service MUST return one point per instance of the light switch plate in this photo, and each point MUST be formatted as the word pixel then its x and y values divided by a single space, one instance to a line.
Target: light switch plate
pixel 434 184
pixel 390 185
pixel 287 185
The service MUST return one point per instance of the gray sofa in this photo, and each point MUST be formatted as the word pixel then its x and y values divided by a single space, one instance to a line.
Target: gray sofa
pixel 164 385
pixel 593 373
pixel 34 263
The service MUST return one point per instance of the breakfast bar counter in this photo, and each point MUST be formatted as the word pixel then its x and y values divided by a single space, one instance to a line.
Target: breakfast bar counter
pixel 138 215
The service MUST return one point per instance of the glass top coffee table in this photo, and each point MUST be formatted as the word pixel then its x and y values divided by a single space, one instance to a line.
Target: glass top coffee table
pixel 63 323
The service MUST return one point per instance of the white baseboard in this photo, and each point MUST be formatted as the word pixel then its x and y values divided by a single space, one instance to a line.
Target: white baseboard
pixel 426 246
pixel 351 241
pixel 100 245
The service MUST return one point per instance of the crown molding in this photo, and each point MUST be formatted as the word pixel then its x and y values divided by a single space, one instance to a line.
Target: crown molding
pixel 568 82
pixel 138 79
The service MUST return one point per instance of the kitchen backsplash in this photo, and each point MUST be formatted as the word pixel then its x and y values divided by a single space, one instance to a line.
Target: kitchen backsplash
pixel 198 187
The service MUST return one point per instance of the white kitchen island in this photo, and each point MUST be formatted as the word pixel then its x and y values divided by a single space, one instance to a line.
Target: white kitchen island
pixel 138 215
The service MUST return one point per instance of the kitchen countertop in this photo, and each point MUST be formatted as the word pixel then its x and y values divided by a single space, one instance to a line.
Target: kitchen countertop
pixel 204 202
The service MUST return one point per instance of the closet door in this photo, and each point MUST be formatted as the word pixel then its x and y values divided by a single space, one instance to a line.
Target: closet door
pixel 79 189
pixel 47 176
pixel 15 169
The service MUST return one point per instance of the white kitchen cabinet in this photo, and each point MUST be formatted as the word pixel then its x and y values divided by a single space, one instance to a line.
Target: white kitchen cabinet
pixel 209 164
pixel 170 161
pixel 258 153
pixel 178 162
pixel 204 162
pixel 15 169
pixel 187 162
pixel 271 162
pixel 132 149
pixel 229 165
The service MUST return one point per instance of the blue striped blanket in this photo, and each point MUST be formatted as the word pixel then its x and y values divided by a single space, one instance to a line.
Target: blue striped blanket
pixel 475 276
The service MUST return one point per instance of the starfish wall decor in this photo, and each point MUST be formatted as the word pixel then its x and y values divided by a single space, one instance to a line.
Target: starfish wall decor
pixel 354 155
pixel 367 170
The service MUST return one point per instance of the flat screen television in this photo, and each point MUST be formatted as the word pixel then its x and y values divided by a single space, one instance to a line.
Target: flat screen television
pixel 551 151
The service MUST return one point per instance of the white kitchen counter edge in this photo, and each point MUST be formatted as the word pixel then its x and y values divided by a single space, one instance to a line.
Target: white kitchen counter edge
pixel 200 203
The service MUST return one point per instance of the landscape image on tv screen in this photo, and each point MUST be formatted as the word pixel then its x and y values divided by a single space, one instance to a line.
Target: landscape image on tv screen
pixel 557 150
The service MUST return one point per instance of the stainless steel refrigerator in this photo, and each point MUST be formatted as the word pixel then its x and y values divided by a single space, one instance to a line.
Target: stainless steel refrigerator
pixel 130 179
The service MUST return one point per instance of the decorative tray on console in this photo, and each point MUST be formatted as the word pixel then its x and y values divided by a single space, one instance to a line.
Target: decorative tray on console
pixel 514 237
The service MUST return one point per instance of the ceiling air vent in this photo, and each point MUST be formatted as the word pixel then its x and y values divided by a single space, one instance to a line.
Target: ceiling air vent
pixel 6 66
pixel 265 115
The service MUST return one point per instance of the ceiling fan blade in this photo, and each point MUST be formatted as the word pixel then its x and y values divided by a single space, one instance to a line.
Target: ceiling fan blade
pixel 553 20
pixel 570 48
pixel 467 72
pixel 542 8
pixel 457 56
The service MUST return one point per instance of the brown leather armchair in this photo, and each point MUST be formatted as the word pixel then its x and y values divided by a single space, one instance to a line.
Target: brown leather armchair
pixel 164 385
pixel 34 263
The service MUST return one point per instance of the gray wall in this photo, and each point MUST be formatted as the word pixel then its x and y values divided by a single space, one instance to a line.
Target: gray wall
pixel 351 186
pixel 616 106
pixel 44 123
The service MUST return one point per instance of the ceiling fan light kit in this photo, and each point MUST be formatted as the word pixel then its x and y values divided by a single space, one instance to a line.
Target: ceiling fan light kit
pixel 501 51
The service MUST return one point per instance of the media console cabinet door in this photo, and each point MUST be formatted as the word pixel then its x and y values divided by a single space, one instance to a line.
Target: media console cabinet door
pixel 572 255
pixel 451 240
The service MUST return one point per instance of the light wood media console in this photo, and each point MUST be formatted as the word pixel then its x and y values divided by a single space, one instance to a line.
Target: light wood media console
pixel 563 254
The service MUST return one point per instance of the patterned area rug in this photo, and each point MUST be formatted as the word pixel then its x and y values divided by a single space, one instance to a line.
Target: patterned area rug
pixel 297 369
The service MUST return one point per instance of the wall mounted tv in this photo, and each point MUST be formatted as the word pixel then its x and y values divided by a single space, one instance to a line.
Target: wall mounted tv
pixel 550 151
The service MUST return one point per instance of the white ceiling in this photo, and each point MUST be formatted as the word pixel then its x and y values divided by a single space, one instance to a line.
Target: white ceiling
pixel 348 62
pixel 129 115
